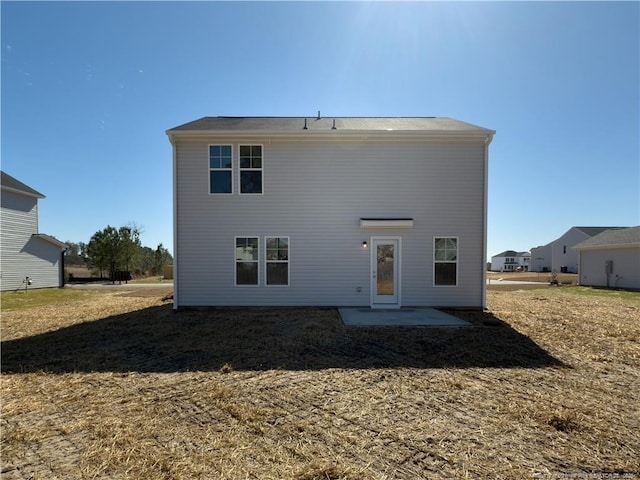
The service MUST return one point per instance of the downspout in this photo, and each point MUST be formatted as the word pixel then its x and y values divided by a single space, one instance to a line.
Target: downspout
pixel 62 268
pixel 175 227
pixel 485 220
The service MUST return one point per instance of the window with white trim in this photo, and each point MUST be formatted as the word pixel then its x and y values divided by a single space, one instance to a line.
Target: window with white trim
pixel 246 260
pixel 277 260
pixel 250 169
pixel 445 261
pixel 220 169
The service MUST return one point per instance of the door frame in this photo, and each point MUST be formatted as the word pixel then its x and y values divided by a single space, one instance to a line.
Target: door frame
pixel 397 267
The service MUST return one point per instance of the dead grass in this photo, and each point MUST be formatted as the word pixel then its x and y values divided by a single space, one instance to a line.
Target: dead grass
pixel 118 386
pixel 543 277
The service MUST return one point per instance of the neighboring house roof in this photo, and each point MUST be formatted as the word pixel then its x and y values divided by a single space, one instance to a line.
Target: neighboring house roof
pixel 329 124
pixel 592 231
pixel 548 245
pixel 615 237
pixel 13 185
pixel 511 253
pixel 50 239
pixel 506 253
pixel 589 231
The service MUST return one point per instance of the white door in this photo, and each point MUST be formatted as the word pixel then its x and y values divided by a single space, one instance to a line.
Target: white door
pixel 385 272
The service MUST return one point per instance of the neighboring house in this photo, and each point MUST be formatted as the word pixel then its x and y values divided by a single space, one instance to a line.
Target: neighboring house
pixel 559 255
pixel 510 261
pixel 380 212
pixel 540 259
pixel 611 259
pixel 26 255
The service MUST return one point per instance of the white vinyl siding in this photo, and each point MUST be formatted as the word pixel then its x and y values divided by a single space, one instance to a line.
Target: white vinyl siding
pixel 21 254
pixel 316 192
pixel 563 257
pixel 625 271
pixel 541 259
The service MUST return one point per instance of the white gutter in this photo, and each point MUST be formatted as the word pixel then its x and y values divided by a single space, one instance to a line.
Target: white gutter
pixel 485 219
pixel 301 135
pixel 22 192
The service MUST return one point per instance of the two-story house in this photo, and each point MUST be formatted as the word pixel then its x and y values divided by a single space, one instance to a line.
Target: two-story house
pixel 559 255
pixel 288 211
pixel 28 259
pixel 510 261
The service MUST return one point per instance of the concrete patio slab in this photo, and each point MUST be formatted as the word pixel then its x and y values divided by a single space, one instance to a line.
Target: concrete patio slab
pixel 404 317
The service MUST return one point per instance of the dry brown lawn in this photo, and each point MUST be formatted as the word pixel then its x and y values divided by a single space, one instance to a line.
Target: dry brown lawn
pixel 117 386
pixel 543 277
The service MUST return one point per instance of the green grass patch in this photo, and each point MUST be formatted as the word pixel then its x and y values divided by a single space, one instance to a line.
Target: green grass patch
pixel 22 300
pixel 624 295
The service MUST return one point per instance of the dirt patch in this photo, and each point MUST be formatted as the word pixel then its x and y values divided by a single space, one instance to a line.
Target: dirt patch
pixel 116 386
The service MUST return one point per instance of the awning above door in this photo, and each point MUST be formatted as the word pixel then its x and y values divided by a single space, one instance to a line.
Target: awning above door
pixel 386 222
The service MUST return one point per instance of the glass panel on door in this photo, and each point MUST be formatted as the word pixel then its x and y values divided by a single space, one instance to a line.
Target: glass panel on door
pixel 385 269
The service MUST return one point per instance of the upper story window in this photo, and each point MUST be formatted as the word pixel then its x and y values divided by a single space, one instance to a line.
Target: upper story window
pixel 445 258
pixel 220 168
pixel 251 169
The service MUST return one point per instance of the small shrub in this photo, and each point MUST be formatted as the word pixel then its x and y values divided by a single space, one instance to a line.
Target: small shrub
pixel 226 368
pixel 564 422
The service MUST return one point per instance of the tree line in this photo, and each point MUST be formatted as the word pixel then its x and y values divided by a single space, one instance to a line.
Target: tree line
pixel 114 250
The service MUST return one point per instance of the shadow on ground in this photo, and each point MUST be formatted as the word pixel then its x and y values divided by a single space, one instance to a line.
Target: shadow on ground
pixel 158 340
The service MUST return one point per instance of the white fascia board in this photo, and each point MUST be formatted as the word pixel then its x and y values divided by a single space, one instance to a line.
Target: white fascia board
pixel 302 135
pixel 50 240
pixel 22 192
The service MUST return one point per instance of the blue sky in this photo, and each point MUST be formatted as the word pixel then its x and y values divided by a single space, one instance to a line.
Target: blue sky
pixel 88 90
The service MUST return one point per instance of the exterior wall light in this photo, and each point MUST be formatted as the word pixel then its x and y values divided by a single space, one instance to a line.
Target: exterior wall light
pixel 365 244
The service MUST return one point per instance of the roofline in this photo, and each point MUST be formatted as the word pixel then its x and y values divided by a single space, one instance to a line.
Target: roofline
pixel 506 253
pixel 11 184
pixel 301 135
pixel 607 245
pixel 50 239
pixel 301 132
pixel 22 192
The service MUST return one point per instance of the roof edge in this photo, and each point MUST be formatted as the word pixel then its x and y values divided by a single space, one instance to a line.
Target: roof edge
pixel 327 124
pixel 22 192
pixel 13 185
pixel 50 239
pixel 606 245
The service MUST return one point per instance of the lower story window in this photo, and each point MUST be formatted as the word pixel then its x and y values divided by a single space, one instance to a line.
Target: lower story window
pixel 445 261
pixel 246 260
pixel 277 259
